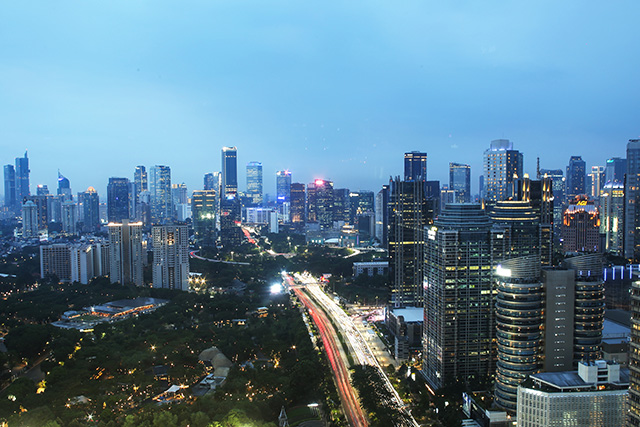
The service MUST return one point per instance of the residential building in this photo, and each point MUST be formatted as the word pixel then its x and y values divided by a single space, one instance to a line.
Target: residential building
pixel 29 220
pixel 171 257
pixel 89 206
pixel 126 254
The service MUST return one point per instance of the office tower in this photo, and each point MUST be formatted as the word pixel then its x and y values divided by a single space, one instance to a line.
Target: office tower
pixel 360 202
pixel 212 181
pixel 64 188
pixel 42 211
pixel 254 182
pixel 179 195
pixel 203 211
pixel 320 203
pixel 118 199
pixel 69 217
pixel 42 190
pixel 29 219
pixel 298 205
pixel 447 195
pixel 415 166
pixel 594 396
pixel 460 181
pixel 342 206
pixel 458 302
pixel 632 197
pixel 10 199
pixel 171 257
pixel 612 216
pixel 595 181
pixel 481 186
pixel 382 216
pixel 160 194
pixel 283 186
pixel 615 169
pixel 633 413
pixel 230 218
pixel 501 164
pixel 126 255
pixel 140 184
pixel 54 206
pixel 229 172
pixel 558 190
pixel 581 226
pixel 22 178
pixel 407 218
pixel 89 205
pixel 576 174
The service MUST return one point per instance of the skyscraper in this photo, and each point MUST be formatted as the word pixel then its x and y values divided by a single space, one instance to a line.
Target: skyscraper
pixel 171 257
pixel 10 199
pixel 298 205
pixel 557 188
pixel 615 169
pixel 230 218
pixel 576 175
pixel 140 184
pixel 460 181
pixel 64 188
pixel 415 166
pixel 203 214
pixel 581 226
pixel 382 216
pixel 500 165
pixel 69 217
pixel 632 196
pixel 229 171
pixel 22 178
pixel 254 182
pixel 125 252
pixel 320 203
pixel 89 209
pixel 361 202
pixel 212 181
pixel 118 198
pixel 29 219
pixel 341 205
pixel 633 413
pixel 283 186
pixel 612 216
pixel 458 302
pixel 160 194
pixel 595 181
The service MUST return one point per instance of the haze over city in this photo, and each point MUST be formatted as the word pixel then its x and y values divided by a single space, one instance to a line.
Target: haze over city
pixel 334 90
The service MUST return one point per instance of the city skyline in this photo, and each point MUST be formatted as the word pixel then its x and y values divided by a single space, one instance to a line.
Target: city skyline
pixel 336 91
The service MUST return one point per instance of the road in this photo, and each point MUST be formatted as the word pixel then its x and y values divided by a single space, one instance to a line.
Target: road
pixel 360 350
pixel 192 254
pixel 335 353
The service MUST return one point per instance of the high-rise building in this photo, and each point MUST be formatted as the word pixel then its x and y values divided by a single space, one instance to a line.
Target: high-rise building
pixel 633 412
pixel 42 190
pixel 64 187
pixel 595 181
pixel 382 216
pixel 460 182
pixel 140 184
pixel 29 219
pixel 408 215
pixel 171 257
pixel 118 198
pixel 254 182
pixel 361 202
pixel 415 166
pixel 212 181
pixel 581 226
pixel 458 327
pixel 558 188
pixel 230 218
pixel 22 178
pixel 10 199
pixel 576 175
pixel 69 217
pixel 283 186
pixel 501 165
pixel 298 205
pixel 160 194
pixel 89 205
pixel 229 171
pixel 125 252
pixel 42 210
pixel 342 206
pixel 203 211
pixel 615 169
pixel 179 195
pixel 632 203
pixel 612 216
pixel 320 203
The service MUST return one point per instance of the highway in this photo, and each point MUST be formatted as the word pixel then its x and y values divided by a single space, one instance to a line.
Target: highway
pixel 313 297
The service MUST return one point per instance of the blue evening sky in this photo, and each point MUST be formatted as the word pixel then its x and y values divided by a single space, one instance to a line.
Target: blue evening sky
pixel 333 89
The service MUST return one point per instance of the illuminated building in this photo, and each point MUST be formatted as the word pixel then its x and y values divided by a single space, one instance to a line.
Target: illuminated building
pixel 69 217
pixel 126 254
pixel 360 203
pixel 254 182
pixel 171 257
pixel 203 211
pixel 557 188
pixel 614 170
pixel 581 226
pixel 230 218
pixel 160 194
pixel 42 190
pixel 460 182
pixel 229 172
pixel 633 414
pixel 632 197
pixel 10 199
pixel 612 216
pixel 140 184
pixel 320 203
pixel 500 164
pixel 283 186
pixel 595 181
pixel 298 204
pixel 212 181
pixel 576 173
pixel 382 216
pixel 29 220
pixel 42 211
pixel 89 205
pixel 458 329
pixel 595 395
pixel 22 178
pixel 179 195
pixel 64 188
pixel 415 166
pixel 341 205
pixel 118 199
pixel 55 260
